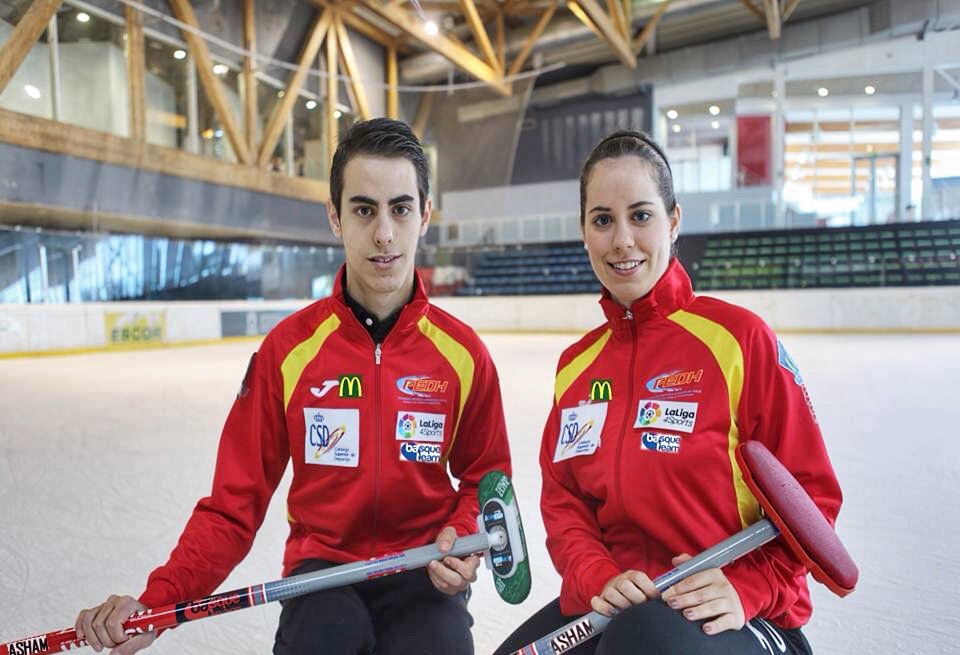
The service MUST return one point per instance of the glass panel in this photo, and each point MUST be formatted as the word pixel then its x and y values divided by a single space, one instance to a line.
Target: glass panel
pixel 167 71
pixel 63 267
pixel 93 71
pixel 213 138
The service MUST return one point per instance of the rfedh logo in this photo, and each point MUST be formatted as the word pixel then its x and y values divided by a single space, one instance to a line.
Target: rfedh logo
pixel 421 386
pixel 420 426
pixel 580 429
pixel 332 436
pixel 648 414
pixel 651 413
pixel 674 382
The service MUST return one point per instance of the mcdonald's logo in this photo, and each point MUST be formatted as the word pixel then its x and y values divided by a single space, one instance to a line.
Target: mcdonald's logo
pixel 601 390
pixel 351 386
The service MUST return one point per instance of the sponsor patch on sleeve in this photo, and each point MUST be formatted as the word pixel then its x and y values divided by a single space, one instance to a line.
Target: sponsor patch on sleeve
pixel 420 426
pixel 423 453
pixel 656 413
pixel 332 436
pixel 580 429
pixel 786 361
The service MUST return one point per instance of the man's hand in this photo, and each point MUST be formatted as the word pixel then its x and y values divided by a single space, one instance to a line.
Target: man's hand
pixel 451 575
pixel 706 595
pixel 622 591
pixel 102 627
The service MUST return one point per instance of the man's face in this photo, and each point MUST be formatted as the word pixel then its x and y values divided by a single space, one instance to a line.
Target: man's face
pixel 380 223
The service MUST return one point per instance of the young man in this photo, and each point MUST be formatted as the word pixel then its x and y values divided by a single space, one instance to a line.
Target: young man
pixel 372 394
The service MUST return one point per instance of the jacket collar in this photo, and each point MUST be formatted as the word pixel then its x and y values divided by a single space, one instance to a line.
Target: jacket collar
pixel 409 315
pixel 671 292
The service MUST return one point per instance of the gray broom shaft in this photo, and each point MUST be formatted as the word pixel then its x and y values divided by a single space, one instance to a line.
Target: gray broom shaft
pixel 347 574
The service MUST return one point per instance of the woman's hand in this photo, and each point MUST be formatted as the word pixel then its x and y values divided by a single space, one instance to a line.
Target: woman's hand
pixel 706 595
pixel 622 591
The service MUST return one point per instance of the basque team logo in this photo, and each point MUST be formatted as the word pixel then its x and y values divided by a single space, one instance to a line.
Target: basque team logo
pixel 649 413
pixel 407 426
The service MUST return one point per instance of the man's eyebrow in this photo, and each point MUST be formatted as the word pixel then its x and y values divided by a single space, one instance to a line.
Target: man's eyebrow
pixel 399 199
pixel 364 200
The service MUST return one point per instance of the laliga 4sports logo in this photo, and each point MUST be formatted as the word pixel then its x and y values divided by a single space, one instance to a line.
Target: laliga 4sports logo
pixel 648 414
pixel 407 426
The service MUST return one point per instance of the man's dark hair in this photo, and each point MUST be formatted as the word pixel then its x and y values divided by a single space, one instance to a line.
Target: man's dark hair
pixel 621 144
pixel 380 137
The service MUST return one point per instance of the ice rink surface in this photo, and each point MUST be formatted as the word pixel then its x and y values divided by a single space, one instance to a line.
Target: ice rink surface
pixel 103 456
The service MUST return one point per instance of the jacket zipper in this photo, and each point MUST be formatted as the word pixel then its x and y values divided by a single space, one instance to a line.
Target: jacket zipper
pixel 377 353
pixel 626 424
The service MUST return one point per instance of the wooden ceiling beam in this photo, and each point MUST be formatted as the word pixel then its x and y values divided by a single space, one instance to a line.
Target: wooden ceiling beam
pixel 250 116
pixel 650 27
pixel 440 44
pixel 209 80
pixel 423 114
pixel 754 10
pixel 584 18
pixel 615 8
pixel 480 36
pixel 281 111
pixel 352 69
pixel 609 32
pixel 136 74
pixel 25 34
pixel 788 9
pixel 531 41
pixel 772 10
pixel 333 91
pixel 393 95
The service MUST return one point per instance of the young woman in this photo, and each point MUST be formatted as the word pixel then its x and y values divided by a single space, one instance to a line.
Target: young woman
pixel 638 452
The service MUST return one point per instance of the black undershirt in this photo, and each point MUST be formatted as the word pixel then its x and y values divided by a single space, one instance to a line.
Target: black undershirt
pixel 378 329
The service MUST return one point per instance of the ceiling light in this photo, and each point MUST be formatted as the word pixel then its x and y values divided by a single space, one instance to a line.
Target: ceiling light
pixel 672 114
pixel 869 89
pixel 281 93
pixel 431 28
pixel 714 110
pixel 676 128
pixel 715 125
pixel 220 69
pixel 218 133
pixel 311 104
pixel 823 92
pixel 179 54
pixel 337 114
pixel 83 17
pixel 207 133
pixel 32 91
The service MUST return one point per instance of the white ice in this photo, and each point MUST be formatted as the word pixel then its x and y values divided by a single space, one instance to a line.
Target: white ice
pixel 102 457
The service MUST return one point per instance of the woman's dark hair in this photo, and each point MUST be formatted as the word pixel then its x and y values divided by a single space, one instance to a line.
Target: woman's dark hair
pixel 380 137
pixel 621 144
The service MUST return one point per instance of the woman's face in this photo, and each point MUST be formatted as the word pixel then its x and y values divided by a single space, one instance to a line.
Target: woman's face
pixel 627 231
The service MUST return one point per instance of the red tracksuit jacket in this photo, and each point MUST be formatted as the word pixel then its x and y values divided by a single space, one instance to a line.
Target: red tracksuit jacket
pixel 370 431
pixel 638 452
